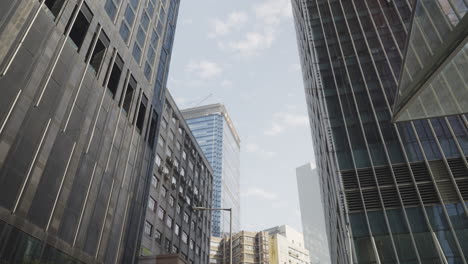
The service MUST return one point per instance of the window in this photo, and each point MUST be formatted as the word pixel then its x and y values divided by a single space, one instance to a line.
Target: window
pixel 169 221
pixel 157 236
pixel 160 213
pixel 182 172
pixel 136 53
pixel 171 201
pixel 114 78
pixel 168 152
pixel 191 244
pixel 190 164
pixel 181 132
pixel 154 181
pixel 161 142
pixel 54 6
pixel 81 25
pixel 171 135
pixel 184 155
pixel 174 119
pixel 178 145
pixel 126 99
pixel 151 203
pixel 167 246
pixel 152 131
pixel 124 31
pixel 148 228
pixel 178 208
pixel 158 160
pixel 163 191
pixel 184 237
pixel 197 251
pixel 141 114
pixel 176 163
pixel 174 180
pixel 177 229
pixel 186 217
pixel 102 43
pixel 192 226
pixel 111 9
pixel 174 249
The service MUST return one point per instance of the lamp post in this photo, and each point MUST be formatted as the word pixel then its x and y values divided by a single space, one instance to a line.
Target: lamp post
pixel 230 224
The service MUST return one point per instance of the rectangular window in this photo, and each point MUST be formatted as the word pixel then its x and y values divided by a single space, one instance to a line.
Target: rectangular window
pixel 54 6
pixel 99 51
pixel 148 71
pixel 161 142
pixel 168 152
pixel 186 217
pixel 158 160
pixel 157 236
pixel 148 228
pixel 169 221
pixel 152 132
pixel 124 31
pixel 178 145
pixel 163 191
pixel 136 53
pixel 178 209
pixel 81 25
pixel 171 201
pixel 141 36
pixel 126 100
pixel 114 78
pixel 160 213
pixel 140 121
pixel 145 20
pixel 184 237
pixel 154 181
pixel 111 9
pixel 151 203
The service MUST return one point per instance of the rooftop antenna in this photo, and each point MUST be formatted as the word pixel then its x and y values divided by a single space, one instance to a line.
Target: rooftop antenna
pixel 204 99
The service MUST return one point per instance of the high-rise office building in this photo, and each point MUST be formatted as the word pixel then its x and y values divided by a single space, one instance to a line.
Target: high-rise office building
pixel 247 248
pixel 313 222
pixel 287 246
pixel 82 89
pixel 433 82
pixel 393 193
pixel 182 178
pixel 218 138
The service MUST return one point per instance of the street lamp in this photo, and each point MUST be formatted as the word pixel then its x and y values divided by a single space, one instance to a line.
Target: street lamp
pixel 230 224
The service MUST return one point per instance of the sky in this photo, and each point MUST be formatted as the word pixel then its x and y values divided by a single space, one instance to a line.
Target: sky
pixel 243 53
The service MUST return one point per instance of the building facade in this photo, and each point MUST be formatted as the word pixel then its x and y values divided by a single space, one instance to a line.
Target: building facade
pixel 82 91
pixel 182 178
pixel 287 246
pixel 312 218
pixel 433 83
pixel 247 248
pixel 218 138
pixel 392 193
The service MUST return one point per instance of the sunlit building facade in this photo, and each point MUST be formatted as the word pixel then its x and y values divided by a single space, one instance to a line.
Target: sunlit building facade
pixel 218 138
pixel 393 193
pixel 82 90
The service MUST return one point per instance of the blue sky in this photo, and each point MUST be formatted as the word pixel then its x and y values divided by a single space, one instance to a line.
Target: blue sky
pixel 243 53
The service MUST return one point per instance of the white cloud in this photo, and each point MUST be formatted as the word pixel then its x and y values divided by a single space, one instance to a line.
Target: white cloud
pixel 226 84
pixel 260 193
pixel 273 11
pixel 254 148
pixel 283 121
pixel 234 21
pixel 253 42
pixel 205 69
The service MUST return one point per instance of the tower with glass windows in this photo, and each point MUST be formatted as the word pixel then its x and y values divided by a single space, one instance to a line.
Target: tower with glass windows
pixel 82 89
pixel 218 138
pixel 393 193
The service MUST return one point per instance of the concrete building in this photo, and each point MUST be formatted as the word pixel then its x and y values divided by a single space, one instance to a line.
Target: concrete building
pixel 287 246
pixel 313 220
pixel 393 193
pixel 218 138
pixel 182 178
pixel 82 89
pixel 433 83
pixel 247 248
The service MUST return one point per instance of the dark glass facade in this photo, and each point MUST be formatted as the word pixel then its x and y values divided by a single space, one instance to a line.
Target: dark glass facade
pixel 182 178
pixel 78 126
pixel 433 83
pixel 392 193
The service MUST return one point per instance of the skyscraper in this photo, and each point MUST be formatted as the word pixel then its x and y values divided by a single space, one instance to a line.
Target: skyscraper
pixel 393 193
pixel 218 138
pixel 433 83
pixel 313 223
pixel 82 89
pixel 182 178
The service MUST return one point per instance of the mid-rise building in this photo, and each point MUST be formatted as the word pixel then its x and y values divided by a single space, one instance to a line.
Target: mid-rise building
pixel 82 90
pixel 393 193
pixel 287 246
pixel 218 138
pixel 433 82
pixel 247 248
pixel 182 178
pixel 313 222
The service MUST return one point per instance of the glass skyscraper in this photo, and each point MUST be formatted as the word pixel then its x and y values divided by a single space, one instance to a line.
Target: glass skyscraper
pixel 393 193
pixel 217 137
